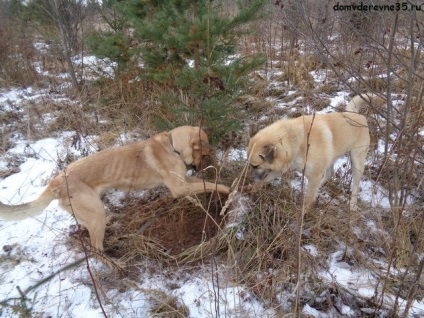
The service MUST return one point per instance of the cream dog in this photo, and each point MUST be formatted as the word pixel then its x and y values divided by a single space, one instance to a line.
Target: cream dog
pixel 312 144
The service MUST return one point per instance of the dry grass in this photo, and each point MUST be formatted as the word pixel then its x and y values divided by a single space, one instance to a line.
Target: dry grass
pixel 165 306
pixel 17 57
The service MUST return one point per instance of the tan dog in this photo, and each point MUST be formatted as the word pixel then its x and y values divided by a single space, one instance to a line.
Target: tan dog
pixel 312 144
pixel 160 160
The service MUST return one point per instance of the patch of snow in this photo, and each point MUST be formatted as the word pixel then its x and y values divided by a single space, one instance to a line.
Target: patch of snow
pixel 311 249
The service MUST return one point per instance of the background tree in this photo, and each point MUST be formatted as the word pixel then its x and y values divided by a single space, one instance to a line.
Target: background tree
pixel 66 16
pixel 113 43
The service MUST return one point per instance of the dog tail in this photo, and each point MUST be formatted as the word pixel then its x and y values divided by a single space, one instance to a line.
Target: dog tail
pixel 360 101
pixel 30 209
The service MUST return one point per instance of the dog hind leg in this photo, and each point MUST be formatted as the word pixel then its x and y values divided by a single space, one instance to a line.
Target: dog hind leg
pixel 358 157
pixel 88 209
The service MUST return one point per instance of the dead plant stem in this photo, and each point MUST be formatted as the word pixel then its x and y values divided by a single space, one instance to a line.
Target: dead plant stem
pixel 389 86
pixel 300 223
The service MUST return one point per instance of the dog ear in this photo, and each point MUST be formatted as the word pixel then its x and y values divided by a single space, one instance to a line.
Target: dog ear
pixel 207 130
pixel 268 153
pixel 201 145
pixel 253 129
pixel 207 145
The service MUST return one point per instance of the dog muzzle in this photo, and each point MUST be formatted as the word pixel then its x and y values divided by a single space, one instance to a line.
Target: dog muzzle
pixel 264 175
pixel 259 175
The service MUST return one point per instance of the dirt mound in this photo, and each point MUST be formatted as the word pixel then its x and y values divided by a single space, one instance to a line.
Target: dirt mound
pixel 162 228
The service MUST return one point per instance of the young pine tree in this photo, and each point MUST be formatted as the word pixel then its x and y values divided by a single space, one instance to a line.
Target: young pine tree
pixel 189 51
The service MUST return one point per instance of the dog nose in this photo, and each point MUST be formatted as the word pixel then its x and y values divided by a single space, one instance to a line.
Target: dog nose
pixel 258 174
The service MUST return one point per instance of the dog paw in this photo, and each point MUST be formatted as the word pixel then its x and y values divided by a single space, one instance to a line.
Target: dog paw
pixel 246 188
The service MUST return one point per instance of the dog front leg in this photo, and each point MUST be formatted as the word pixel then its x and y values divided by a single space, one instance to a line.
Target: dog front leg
pixel 199 186
pixel 329 173
pixel 312 189
pixel 190 185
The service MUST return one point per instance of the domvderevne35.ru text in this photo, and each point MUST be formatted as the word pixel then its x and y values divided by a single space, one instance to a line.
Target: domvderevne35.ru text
pixel 398 6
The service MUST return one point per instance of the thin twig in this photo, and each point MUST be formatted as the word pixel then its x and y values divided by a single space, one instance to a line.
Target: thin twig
pixel 300 222
pixel 84 248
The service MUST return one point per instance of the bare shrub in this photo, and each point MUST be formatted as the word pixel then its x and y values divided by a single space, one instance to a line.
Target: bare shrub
pixel 17 57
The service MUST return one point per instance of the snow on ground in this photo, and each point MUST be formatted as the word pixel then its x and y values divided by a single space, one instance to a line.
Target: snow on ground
pixel 94 68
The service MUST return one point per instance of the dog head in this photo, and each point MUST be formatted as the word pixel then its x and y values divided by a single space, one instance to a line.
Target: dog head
pixel 192 144
pixel 264 162
pixel 270 152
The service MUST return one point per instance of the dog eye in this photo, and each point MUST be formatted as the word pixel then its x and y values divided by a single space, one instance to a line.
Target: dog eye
pixel 254 167
pixel 262 157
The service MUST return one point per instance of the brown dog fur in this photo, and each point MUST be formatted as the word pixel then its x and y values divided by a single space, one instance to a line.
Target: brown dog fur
pixel 312 144
pixel 160 160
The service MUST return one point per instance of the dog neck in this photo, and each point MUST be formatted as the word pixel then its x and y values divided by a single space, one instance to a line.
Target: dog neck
pixel 172 145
